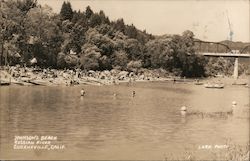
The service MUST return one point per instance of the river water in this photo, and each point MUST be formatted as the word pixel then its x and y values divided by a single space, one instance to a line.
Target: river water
pixel 103 126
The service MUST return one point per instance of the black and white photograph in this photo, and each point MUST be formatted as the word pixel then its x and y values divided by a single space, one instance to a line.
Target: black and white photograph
pixel 161 80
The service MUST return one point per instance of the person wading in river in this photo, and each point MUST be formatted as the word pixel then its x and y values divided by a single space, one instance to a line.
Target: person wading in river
pixel 82 92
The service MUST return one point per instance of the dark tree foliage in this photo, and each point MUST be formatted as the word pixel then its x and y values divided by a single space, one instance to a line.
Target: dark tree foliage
pixel 119 25
pixel 66 11
pixel 95 20
pixel 131 31
pixel 88 40
pixel 88 12
pixel 26 5
pixel 76 16
pixel 104 19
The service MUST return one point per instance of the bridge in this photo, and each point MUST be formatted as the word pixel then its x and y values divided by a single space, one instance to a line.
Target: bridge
pixel 218 49
pixel 237 55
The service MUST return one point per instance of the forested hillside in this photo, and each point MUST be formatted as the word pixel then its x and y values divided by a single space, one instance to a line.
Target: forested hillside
pixel 91 41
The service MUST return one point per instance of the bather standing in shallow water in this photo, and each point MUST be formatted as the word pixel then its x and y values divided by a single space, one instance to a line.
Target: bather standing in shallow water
pixel 82 92
pixel 133 93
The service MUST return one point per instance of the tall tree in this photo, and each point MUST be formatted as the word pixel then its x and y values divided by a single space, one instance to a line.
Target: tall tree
pixel 66 11
pixel 119 25
pixel 131 31
pixel 88 12
pixel 95 20
pixel 43 36
pixel 104 18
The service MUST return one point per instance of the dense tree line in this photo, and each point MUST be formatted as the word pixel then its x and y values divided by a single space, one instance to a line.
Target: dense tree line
pixel 90 41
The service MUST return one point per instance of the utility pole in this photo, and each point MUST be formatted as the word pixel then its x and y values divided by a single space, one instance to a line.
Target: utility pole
pixel 230 29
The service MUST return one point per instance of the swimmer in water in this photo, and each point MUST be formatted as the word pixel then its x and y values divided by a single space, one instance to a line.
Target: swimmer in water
pixel 184 108
pixel 174 81
pixel 82 92
pixel 133 94
pixel 114 96
pixel 234 103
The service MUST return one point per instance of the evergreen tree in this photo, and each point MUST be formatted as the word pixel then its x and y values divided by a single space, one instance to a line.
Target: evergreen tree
pixel 119 25
pixel 88 12
pixel 103 17
pixel 95 20
pixel 131 31
pixel 66 11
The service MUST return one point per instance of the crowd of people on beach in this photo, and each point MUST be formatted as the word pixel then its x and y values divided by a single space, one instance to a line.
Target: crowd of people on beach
pixel 38 76
pixel 22 75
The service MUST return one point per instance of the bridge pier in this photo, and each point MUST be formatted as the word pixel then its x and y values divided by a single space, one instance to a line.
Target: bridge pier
pixel 236 68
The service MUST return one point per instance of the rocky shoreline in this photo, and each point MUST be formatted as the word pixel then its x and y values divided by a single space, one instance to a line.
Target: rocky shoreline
pixel 16 75
pixel 27 76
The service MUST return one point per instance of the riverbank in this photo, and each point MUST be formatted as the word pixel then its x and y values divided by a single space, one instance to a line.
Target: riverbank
pixel 16 75
pixel 27 76
pixel 227 81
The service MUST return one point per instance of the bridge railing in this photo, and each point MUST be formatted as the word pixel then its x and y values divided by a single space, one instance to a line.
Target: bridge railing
pixel 213 47
pixel 246 50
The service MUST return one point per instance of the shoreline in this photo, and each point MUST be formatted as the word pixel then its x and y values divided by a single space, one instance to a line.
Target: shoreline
pixel 25 76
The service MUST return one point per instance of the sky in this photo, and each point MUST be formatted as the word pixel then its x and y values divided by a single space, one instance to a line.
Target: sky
pixel 208 19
